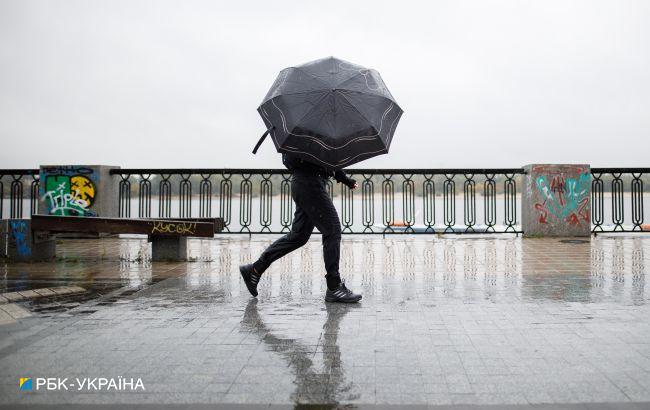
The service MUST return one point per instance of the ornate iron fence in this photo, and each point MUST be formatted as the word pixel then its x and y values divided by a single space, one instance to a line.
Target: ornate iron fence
pixel 387 201
pixel 623 188
pixel 21 184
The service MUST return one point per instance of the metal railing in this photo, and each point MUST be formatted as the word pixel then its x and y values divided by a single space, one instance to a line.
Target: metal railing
pixel 612 183
pixel 16 179
pixel 416 201
pixel 387 201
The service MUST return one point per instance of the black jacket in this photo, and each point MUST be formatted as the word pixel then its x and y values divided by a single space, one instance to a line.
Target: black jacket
pixel 295 164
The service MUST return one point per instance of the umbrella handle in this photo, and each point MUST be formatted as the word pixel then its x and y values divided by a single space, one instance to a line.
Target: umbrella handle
pixel 261 140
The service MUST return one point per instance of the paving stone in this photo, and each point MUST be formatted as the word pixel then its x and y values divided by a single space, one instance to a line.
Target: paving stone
pixel 28 294
pixel 15 311
pixel 443 321
pixel 61 290
pixel 45 292
pixel 13 296
pixel 6 318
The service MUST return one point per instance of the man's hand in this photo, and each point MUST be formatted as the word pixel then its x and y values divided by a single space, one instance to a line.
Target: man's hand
pixel 351 183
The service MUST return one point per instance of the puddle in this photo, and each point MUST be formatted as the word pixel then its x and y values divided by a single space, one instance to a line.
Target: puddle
pixel 49 306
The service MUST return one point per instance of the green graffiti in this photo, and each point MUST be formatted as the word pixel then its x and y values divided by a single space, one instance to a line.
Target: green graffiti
pixel 564 198
pixel 69 195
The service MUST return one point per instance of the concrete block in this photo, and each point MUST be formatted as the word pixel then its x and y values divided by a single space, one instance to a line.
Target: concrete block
pixel 21 246
pixel 60 290
pixel 45 292
pixel 78 190
pixel 556 200
pixel 76 289
pixel 12 296
pixel 65 290
pixel 28 294
pixel 15 311
pixel 168 248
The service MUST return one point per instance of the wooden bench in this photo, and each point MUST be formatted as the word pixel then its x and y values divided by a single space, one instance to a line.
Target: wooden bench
pixel 33 239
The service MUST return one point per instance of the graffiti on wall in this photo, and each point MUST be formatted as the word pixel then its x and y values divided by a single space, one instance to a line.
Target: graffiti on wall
pixel 182 228
pixel 69 191
pixel 563 198
pixel 19 231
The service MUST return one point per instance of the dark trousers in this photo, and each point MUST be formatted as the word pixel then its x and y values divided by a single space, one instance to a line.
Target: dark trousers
pixel 314 208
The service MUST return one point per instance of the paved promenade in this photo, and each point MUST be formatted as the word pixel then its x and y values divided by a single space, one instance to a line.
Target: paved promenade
pixel 443 321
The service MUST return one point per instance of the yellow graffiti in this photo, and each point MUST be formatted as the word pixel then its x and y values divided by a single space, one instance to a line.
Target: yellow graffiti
pixel 182 228
pixel 84 189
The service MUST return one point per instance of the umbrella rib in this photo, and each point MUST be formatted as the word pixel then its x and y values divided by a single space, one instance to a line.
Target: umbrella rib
pixel 355 108
pixel 313 76
pixel 391 133
pixel 381 90
pixel 284 123
pixel 324 145
pixel 381 125
pixel 349 79
pixel 294 93
pixel 338 164
pixel 325 85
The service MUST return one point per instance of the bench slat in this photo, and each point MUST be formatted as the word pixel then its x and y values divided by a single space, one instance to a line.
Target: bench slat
pixel 162 227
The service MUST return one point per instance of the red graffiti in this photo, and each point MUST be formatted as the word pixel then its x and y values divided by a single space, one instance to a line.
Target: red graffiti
pixel 543 212
pixel 558 186
pixel 574 219
pixel 555 169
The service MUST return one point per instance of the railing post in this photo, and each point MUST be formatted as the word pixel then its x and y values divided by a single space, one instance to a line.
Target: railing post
pixel 16 195
pixel 164 196
pixel 637 201
pixel 449 202
pixel 144 196
pixel 490 202
pixel 556 200
pixel 429 202
pixel 286 203
pixel 367 203
pixel 266 203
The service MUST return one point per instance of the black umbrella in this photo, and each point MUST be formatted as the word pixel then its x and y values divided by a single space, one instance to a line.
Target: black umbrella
pixel 330 112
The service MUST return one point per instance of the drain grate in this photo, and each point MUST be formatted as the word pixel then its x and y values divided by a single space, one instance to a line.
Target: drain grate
pixel 576 241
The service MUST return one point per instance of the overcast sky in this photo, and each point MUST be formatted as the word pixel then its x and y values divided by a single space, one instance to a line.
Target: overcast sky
pixel 177 83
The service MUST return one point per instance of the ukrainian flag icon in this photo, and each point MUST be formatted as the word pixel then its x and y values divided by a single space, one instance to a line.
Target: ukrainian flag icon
pixel 26 383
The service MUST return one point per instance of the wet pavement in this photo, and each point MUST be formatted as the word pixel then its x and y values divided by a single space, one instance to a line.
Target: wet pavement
pixel 443 321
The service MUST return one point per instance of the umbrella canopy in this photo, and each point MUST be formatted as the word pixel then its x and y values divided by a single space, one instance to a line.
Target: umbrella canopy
pixel 330 112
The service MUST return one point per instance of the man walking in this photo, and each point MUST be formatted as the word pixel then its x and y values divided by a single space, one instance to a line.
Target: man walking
pixel 314 208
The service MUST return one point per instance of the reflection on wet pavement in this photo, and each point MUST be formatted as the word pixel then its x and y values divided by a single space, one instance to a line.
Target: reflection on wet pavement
pixel 313 382
pixel 443 321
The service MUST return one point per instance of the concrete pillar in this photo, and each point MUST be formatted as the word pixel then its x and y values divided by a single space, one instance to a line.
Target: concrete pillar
pixel 78 190
pixel 556 200
pixel 168 248
pixel 23 246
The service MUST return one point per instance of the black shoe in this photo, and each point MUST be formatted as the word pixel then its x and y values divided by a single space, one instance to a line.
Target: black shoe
pixel 251 278
pixel 342 294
